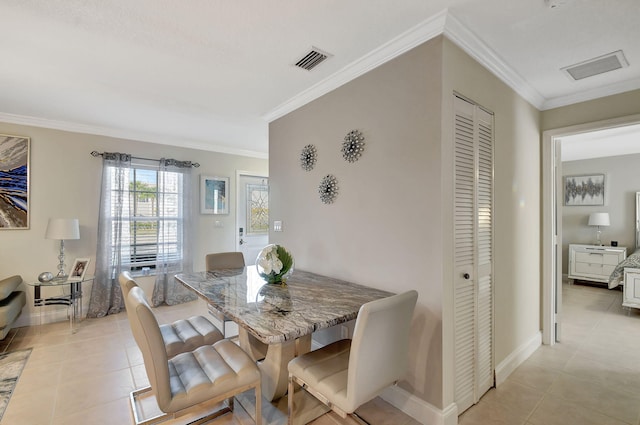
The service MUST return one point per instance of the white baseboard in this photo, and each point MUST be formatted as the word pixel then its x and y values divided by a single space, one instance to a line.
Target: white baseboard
pixel 418 409
pixel 517 357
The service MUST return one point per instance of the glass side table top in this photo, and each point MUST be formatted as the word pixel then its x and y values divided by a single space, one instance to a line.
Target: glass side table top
pixel 61 282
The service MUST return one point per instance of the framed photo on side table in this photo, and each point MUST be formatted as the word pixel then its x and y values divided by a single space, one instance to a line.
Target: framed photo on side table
pixel 214 195
pixel 78 270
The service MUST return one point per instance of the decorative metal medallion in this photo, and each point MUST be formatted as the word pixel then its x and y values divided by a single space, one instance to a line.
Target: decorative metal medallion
pixel 353 146
pixel 328 189
pixel 308 157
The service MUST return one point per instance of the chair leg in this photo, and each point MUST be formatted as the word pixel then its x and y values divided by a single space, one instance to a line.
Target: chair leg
pixel 290 391
pixel 258 404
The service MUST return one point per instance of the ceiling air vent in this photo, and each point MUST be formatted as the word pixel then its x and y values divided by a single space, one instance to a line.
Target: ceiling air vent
pixel 312 59
pixel 599 65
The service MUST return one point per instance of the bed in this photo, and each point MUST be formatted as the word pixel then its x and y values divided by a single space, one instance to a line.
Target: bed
pixel 627 272
pixel 617 276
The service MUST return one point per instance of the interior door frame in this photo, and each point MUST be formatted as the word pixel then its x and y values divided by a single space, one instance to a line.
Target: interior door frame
pixel 237 197
pixel 551 178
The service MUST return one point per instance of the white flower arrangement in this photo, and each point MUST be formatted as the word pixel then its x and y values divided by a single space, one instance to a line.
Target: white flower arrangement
pixel 274 263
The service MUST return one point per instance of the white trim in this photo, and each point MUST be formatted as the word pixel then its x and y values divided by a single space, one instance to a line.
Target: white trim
pixel 418 409
pixel 127 134
pixel 442 23
pixel 595 93
pixel 516 358
pixel 483 54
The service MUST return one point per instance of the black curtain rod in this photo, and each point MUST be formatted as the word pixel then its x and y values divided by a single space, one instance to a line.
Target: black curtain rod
pixel 192 164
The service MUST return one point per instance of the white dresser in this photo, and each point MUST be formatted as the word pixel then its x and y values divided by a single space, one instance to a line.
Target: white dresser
pixel 594 263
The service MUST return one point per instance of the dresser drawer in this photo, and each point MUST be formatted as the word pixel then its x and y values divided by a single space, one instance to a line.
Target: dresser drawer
pixel 597 258
pixel 594 268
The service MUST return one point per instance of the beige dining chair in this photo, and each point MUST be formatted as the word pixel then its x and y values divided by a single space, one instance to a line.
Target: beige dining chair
pixel 182 335
pixel 348 373
pixel 211 373
pixel 224 260
pixel 219 261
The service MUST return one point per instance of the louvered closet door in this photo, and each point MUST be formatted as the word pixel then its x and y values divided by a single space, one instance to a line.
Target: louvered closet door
pixel 473 275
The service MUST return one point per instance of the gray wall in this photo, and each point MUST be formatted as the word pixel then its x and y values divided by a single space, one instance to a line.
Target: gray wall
pixel 391 224
pixel 622 181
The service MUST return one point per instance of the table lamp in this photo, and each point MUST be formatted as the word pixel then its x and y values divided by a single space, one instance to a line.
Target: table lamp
pixel 598 219
pixel 61 229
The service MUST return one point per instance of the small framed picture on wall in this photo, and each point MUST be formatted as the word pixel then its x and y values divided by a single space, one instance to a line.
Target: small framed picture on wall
pixel 214 195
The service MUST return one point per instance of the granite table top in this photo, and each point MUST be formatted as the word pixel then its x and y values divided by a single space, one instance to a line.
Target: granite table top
pixel 275 313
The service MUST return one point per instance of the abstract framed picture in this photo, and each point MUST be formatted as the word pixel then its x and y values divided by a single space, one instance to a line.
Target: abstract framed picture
pixel 214 195
pixel 14 182
pixel 584 190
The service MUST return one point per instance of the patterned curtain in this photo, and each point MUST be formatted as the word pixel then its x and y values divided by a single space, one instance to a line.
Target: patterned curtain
pixel 174 232
pixel 106 296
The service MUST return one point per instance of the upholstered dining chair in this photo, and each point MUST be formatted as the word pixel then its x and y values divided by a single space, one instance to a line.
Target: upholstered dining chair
pixel 211 373
pixel 219 261
pixel 348 373
pixel 224 260
pixel 182 335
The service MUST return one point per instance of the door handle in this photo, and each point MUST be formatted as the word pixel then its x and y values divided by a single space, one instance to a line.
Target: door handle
pixel 466 276
pixel 241 241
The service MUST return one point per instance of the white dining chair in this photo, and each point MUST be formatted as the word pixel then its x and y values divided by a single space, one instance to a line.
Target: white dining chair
pixel 348 373
pixel 182 335
pixel 211 373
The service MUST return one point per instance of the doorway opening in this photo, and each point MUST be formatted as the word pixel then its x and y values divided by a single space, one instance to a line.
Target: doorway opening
pixel 552 193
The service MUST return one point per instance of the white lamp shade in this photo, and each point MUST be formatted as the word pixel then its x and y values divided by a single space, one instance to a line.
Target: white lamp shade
pixel 599 219
pixel 63 229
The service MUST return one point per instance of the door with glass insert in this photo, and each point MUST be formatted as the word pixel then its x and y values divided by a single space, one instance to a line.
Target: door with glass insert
pixel 252 227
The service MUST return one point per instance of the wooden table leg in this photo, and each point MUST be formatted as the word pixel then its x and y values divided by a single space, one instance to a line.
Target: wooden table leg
pixel 274 366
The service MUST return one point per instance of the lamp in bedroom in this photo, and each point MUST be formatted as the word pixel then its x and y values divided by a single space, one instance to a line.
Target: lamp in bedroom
pixel 598 220
pixel 61 229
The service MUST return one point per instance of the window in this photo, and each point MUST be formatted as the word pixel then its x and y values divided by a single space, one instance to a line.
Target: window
pixel 151 205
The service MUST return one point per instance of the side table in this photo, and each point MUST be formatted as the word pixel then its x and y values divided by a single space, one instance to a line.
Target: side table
pixel 73 301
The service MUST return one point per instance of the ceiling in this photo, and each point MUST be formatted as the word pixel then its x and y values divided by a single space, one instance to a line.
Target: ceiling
pixel 623 140
pixel 211 74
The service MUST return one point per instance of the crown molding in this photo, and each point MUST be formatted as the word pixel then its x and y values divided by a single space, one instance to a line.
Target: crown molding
pixel 127 134
pixel 483 54
pixel 411 38
pixel 592 94
pixel 441 23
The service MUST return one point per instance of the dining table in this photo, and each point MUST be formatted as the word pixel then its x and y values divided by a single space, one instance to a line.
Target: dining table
pixel 276 320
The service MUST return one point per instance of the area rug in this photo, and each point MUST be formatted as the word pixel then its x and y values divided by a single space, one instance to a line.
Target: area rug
pixel 11 366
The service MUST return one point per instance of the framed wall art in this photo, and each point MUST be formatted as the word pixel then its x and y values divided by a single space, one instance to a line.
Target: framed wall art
pixel 14 182
pixel 214 195
pixel 584 190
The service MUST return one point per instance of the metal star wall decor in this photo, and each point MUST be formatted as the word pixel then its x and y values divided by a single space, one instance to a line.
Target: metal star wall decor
pixel 353 146
pixel 328 189
pixel 308 157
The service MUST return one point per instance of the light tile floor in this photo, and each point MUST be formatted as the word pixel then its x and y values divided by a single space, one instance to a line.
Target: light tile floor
pixel 592 377
pixel 85 378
